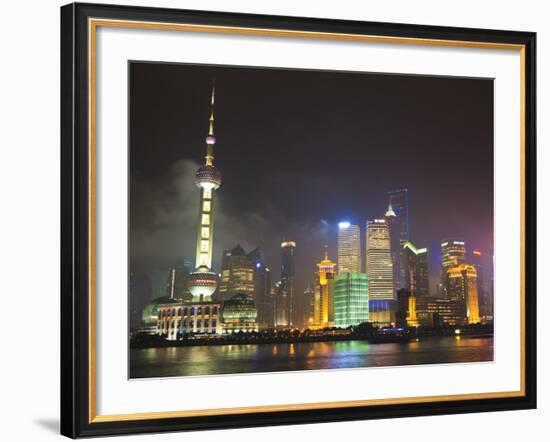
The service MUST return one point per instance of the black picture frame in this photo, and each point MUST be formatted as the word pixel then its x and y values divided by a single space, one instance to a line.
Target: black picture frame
pixel 75 219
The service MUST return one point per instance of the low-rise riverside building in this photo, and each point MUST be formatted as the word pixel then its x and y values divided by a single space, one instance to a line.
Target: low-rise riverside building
pixel 176 320
pixel 239 314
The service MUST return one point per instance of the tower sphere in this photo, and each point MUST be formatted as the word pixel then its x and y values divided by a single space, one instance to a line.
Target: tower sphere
pixel 210 139
pixel 202 283
pixel 208 177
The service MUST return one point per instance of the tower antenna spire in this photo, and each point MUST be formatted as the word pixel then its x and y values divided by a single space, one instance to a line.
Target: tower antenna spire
pixel 212 102
pixel 211 139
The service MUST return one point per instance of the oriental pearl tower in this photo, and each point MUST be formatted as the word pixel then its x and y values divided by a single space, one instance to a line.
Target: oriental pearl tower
pixel 202 282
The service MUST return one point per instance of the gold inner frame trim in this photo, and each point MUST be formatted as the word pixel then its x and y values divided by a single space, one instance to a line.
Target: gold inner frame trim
pixel 93 24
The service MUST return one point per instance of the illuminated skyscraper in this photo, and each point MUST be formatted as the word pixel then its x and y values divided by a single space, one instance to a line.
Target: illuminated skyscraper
pixel 285 287
pixel 380 272
pixel 237 274
pixel 462 288
pixel 379 262
pixel 351 299
pixel 453 252
pixel 396 246
pixel 415 267
pixel 262 288
pixel 349 248
pixel 324 296
pixel 202 282
pixel 484 295
pixel 310 302
pixel 397 217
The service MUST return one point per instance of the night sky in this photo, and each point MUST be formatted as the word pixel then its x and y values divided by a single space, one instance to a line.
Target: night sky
pixel 300 151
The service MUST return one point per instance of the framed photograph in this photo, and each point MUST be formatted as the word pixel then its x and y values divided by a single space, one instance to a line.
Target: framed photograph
pixel 279 220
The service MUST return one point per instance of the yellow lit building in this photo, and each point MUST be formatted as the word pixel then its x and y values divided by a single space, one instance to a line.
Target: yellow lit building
pixel 462 288
pixel 412 319
pixel 323 308
pixel 406 310
pixel 453 252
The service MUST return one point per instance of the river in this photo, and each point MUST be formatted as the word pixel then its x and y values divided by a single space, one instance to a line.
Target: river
pixel 254 358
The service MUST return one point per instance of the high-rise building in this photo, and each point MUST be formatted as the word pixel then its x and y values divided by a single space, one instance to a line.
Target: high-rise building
pixel 237 274
pixel 484 295
pixel 262 289
pixel 349 248
pixel 172 281
pixel 399 203
pixel 453 253
pixel 202 282
pixel 281 304
pixel 402 307
pixel 176 282
pixel 380 272
pixel 324 295
pixel 415 266
pixel 396 246
pixel 397 217
pixel 285 287
pixel 462 288
pixel 379 262
pixel 405 311
pixel 310 302
pixel 351 299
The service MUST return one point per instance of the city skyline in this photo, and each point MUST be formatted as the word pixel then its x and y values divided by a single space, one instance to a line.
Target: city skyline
pixel 311 233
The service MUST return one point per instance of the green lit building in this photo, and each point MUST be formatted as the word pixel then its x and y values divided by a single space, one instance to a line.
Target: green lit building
pixel 351 299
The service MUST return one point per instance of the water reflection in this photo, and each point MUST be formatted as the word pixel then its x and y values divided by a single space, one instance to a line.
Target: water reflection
pixel 252 358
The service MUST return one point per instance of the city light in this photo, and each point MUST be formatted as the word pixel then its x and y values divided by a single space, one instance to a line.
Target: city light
pixel 344 224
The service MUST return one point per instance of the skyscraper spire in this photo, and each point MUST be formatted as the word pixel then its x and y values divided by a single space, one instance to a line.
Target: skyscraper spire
pixel 212 102
pixel 211 139
pixel 390 211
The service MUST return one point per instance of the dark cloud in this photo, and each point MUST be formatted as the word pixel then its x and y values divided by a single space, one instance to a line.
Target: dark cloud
pixel 164 227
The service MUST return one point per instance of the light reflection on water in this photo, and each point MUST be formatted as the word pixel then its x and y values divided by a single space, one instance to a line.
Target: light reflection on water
pixel 253 358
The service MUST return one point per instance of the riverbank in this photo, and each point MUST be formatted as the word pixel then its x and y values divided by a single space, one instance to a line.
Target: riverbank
pixel 382 337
